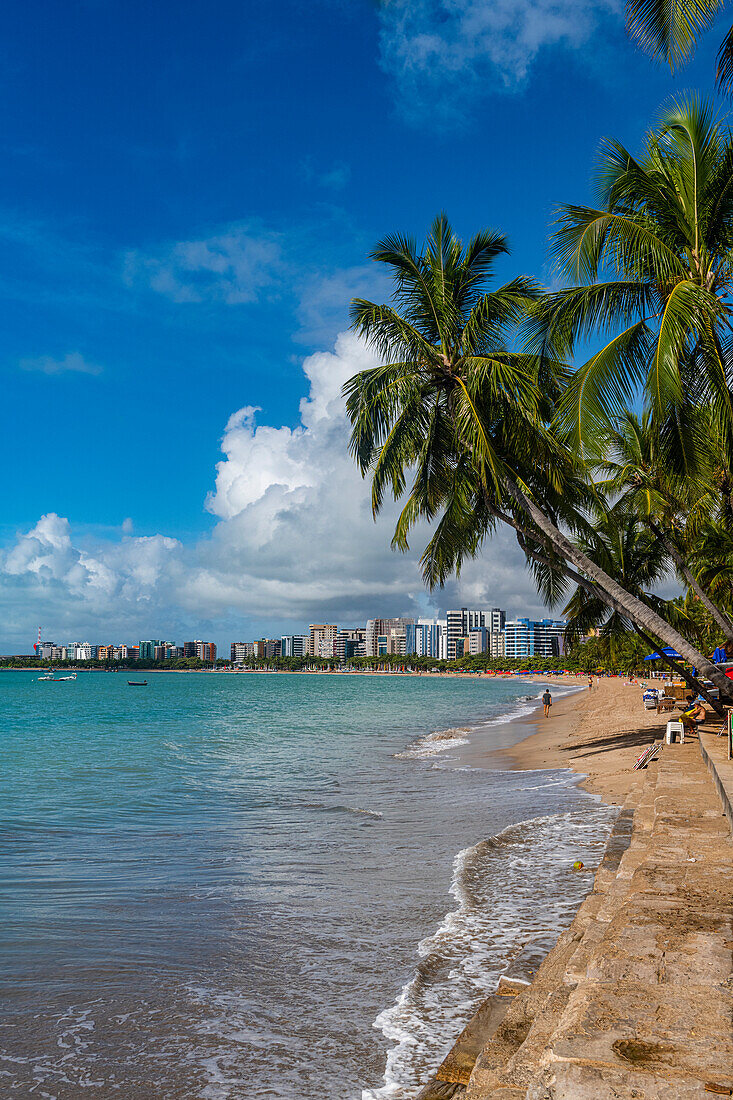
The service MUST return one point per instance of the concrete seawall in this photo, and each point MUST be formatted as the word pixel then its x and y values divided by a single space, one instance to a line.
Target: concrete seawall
pixel 636 998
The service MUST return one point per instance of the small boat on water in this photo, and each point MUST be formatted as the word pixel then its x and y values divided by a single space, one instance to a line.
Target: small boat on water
pixel 137 683
pixel 51 679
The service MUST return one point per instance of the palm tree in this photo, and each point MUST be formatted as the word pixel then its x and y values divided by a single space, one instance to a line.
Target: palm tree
pixel 711 559
pixel 668 30
pixel 465 419
pixel 640 472
pixel 638 560
pixel 652 266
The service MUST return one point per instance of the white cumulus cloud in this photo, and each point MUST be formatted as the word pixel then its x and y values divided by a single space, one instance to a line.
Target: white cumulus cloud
pixel 293 542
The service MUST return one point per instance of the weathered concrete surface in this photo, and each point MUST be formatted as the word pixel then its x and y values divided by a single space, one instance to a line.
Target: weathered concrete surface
pixel 715 754
pixel 636 999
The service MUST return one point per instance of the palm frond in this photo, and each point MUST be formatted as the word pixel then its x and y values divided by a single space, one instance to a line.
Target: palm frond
pixel 668 30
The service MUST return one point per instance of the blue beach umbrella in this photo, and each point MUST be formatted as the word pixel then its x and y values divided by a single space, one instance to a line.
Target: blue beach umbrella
pixel 719 656
pixel 667 651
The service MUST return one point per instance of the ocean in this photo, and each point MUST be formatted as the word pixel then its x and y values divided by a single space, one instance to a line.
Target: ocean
pixel 270 885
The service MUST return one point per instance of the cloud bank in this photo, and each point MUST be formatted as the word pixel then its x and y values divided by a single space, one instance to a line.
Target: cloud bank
pixel 293 541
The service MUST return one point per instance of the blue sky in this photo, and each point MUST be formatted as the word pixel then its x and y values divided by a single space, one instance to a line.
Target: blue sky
pixel 187 199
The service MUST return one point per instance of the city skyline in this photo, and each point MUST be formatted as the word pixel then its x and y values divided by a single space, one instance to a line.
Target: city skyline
pixel 462 632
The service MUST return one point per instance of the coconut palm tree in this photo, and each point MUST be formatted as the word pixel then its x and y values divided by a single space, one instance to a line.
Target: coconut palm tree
pixel 652 266
pixel 638 559
pixel 668 30
pixel 711 560
pixel 640 472
pixel 465 419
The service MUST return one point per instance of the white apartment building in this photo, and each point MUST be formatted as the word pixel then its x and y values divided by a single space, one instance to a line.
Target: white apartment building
pixel 320 632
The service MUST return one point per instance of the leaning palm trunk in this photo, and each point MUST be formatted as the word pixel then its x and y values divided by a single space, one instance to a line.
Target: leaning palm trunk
pixel 595 591
pixel 680 670
pixel 638 612
pixel 717 614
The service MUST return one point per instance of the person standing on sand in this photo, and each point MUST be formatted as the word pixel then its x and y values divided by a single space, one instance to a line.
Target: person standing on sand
pixel 547 702
pixel 590 683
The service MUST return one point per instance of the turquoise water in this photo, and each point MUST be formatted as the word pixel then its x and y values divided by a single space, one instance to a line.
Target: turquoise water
pixel 221 882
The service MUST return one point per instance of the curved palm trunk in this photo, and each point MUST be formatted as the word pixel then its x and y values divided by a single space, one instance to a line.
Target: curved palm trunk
pixel 633 608
pixel 718 616
pixel 681 671
pixel 599 594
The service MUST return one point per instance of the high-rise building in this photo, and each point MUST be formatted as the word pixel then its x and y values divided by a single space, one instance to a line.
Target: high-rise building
pixel 294 645
pixel 462 622
pixel 147 649
pixel 495 620
pixel 534 638
pixel 320 632
pixel 202 651
pixel 384 636
pixel 425 638
pixel 206 652
pixel 350 643
pixel 486 641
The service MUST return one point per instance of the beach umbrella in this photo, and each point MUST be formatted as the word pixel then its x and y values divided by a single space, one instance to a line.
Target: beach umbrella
pixel 668 652
pixel 719 656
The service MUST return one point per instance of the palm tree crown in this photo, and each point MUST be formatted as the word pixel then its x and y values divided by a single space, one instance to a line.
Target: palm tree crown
pixel 450 404
pixel 652 265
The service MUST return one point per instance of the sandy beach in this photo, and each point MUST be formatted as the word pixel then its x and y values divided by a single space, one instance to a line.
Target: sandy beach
pixel 597 733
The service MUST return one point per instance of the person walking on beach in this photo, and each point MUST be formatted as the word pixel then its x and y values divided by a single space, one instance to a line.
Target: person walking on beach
pixel 590 683
pixel 547 702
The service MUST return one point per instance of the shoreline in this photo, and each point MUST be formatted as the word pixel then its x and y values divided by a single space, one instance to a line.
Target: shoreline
pixel 597 734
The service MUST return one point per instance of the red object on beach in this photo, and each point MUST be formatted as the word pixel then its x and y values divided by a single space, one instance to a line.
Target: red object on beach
pixel 729 673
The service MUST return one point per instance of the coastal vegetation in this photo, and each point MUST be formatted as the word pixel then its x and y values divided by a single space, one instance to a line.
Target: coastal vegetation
pixel 613 473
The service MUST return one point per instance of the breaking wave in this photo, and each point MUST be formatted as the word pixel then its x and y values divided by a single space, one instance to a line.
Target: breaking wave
pixel 513 890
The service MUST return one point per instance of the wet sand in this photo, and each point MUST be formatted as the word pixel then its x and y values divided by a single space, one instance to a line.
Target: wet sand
pixel 597 734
